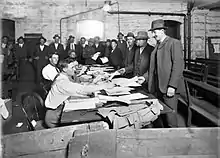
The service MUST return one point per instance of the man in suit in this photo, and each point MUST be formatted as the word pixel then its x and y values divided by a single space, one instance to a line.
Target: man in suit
pixel 99 48
pixel 41 55
pixel 122 45
pixel 166 70
pixel 141 63
pixel 80 49
pixel 57 47
pixel 23 57
pixel 130 52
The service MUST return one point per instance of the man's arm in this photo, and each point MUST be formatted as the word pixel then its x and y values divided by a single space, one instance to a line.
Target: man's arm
pixel 177 63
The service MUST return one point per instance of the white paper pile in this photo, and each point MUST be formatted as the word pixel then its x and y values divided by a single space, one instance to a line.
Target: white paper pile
pixel 125 82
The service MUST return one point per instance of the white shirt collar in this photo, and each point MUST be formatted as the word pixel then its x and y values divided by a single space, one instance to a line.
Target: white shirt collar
pixel 41 47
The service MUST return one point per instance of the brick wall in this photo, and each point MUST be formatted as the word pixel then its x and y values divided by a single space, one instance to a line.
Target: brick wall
pixel 43 16
pixel 204 24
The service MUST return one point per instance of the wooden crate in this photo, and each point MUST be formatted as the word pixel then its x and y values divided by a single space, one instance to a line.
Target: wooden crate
pixel 149 143
pixel 48 143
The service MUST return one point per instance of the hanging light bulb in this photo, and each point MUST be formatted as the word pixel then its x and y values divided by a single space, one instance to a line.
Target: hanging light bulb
pixel 107 6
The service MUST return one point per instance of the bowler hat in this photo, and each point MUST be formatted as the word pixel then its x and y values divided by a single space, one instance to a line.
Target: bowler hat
pixel 158 24
pixel 130 34
pixel 142 35
pixel 43 38
pixel 71 36
pixel 21 37
pixel 120 34
pixel 56 35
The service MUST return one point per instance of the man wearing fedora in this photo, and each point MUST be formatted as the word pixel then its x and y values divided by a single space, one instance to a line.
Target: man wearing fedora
pixel 166 70
pixel 23 56
pixel 57 47
pixel 141 63
pixel 40 57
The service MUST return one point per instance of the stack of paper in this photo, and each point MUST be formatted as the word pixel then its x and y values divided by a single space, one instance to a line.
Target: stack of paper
pixel 80 104
pixel 118 91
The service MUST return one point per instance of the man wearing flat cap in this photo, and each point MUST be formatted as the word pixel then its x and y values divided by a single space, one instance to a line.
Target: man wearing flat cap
pixel 130 52
pixel 166 70
pixel 57 48
pixel 41 55
pixel 141 59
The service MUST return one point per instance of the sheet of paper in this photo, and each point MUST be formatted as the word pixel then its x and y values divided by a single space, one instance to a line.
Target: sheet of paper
pixel 134 96
pixel 118 91
pixel 104 99
pixel 104 60
pixel 83 104
pixel 116 73
pixel 125 82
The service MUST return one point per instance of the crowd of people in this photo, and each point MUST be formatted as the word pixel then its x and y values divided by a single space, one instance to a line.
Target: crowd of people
pixel 159 68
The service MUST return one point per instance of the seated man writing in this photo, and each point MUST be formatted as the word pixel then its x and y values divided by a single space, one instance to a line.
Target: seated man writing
pixel 62 88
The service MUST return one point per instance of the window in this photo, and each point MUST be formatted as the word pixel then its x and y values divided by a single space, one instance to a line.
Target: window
pixel 89 28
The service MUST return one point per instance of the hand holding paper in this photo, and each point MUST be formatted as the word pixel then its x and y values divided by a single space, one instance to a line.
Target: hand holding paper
pixel 96 55
pixel 104 60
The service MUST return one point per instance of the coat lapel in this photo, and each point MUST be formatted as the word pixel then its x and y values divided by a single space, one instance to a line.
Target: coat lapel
pixel 163 43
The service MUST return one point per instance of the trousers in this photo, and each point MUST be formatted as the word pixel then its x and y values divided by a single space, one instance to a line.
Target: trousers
pixel 52 117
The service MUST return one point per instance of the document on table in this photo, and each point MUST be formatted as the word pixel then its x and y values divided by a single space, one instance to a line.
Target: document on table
pixel 125 82
pixel 104 60
pixel 119 91
pixel 80 104
pixel 134 96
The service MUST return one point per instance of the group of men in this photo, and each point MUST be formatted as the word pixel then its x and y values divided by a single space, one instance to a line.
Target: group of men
pixel 159 69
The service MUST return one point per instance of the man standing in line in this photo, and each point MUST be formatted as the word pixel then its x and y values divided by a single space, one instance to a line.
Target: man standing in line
pixel 166 70
pixel 57 48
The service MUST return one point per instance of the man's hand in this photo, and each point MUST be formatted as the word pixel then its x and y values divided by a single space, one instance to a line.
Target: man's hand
pixel 121 71
pixel 141 80
pixel 37 58
pixel 170 91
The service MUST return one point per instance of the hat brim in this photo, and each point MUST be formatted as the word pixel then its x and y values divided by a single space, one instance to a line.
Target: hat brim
pixel 55 37
pixel 158 28
pixel 141 38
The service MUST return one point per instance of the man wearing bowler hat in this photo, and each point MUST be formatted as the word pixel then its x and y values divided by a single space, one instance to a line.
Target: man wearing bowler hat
pixel 166 70
pixel 141 63
pixel 40 57
pixel 56 47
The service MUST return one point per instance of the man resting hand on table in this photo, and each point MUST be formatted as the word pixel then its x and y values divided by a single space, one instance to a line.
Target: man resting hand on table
pixel 62 88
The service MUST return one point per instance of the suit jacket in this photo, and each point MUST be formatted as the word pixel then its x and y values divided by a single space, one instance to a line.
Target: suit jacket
pixel 141 62
pixel 169 68
pixel 60 50
pixel 123 46
pixel 22 53
pixel 100 49
pixel 129 59
pixel 79 51
pixel 116 58
pixel 43 56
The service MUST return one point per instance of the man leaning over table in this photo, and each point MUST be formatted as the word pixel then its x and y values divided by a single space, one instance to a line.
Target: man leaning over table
pixel 64 87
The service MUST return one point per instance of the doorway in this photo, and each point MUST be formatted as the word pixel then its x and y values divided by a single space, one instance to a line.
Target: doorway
pixel 8 29
pixel 173 29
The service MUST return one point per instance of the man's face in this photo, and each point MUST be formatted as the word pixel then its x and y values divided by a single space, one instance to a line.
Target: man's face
pixel 141 42
pixel 83 40
pixel 113 44
pixel 72 40
pixel 20 41
pixel 96 39
pixel 5 40
pixel 130 41
pixel 120 37
pixel 108 43
pixel 90 43
pixel 157 34
pixel 54 59
pixel 56 40
pixel 42 41
pixel 71 68
pixel 72 55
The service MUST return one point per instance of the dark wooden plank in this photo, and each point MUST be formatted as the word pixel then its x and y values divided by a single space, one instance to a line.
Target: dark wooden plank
pixel 50 154
pixel 148 143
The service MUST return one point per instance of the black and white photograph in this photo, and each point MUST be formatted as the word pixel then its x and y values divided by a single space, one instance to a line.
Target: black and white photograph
pixel 110 79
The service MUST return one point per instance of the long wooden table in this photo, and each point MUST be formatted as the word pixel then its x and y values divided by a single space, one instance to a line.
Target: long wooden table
pixel 82 116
